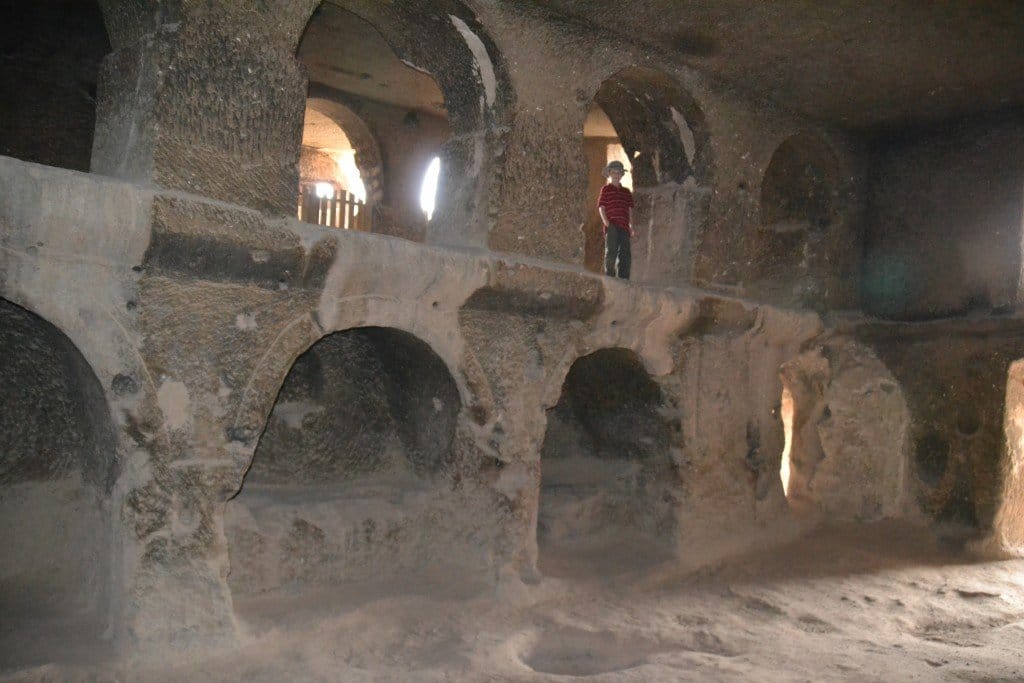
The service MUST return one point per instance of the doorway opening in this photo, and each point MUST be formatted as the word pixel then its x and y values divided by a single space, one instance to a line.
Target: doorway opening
pixel 645 119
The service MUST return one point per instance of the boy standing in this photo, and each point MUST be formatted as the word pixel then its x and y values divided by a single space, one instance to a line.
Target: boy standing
pixel 616 208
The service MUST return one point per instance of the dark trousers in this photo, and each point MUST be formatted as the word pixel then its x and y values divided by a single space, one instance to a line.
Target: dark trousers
pixel 616 247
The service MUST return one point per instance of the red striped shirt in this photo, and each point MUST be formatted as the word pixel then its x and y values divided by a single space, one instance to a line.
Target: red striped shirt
pixel 617 201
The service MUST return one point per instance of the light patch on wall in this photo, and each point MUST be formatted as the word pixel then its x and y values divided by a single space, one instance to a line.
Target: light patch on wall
pixel 484 67
pixel 324 190
pixel 352 179
pixel 293 413
pixel 175 404
pixel 246 321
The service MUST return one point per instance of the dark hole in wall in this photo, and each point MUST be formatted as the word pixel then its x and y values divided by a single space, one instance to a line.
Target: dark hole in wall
pixel 55 420
pixel 49 67
pixel 607 475
pixel 57 464
pixel 931 453
pixel 968 422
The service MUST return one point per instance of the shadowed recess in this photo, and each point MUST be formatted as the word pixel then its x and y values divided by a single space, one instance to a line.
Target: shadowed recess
pixel 57 465
pixel 352 478
pixel 49 68
pixel 607 476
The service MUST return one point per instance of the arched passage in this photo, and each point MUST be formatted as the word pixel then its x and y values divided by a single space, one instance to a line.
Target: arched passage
pixel 421 98
pixel 57 467
pixel 847 428
pixel 660 129
pixel 340 169
pixel 608 483
pixel 48 76
pixel 353 470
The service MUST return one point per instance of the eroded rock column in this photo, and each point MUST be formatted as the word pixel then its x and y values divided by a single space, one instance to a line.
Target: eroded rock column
pixel 204 97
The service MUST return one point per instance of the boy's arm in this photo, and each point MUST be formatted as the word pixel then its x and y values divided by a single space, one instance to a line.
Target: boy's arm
pixel 632 224
pixel 604 216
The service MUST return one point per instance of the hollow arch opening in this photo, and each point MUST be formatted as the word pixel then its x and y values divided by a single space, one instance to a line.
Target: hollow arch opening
pixel 608 482
pixel 422 99
pixel 48 79
pixel 800 215
pixel 847 435
pixel 340 168
pixel 644 117
pixel 57 468
pixel 352 477
pixel 392 119
pixel 800 186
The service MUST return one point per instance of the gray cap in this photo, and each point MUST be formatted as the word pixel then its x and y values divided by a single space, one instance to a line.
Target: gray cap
pixel 613 166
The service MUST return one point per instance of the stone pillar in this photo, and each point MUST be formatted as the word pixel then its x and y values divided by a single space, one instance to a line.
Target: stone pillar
pixel 206 98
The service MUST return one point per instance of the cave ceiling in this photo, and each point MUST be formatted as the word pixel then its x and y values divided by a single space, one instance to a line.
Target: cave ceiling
pixel 851 63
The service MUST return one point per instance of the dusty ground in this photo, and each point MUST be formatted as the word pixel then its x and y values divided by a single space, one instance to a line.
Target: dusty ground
pixel 886 602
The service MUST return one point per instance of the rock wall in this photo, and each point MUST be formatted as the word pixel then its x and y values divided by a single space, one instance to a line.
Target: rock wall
pixel 193 313
pixel 946 213
pixel 192 297
pixel 849 442
pixel 953 375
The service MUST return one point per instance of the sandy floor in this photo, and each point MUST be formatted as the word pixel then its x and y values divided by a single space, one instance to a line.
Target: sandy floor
pixel 880 603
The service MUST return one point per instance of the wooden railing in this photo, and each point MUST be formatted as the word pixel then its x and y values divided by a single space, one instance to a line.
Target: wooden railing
pixel 343 210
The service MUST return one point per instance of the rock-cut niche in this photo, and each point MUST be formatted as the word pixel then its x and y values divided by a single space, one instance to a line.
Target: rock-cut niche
pixel 608 483
pixel 351 477
pixel 57 467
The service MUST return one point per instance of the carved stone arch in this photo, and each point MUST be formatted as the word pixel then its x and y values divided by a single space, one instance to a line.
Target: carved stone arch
pixel 665 139
pixel 848 429
pixel 301 334
pixel 606 464
pixel 367 151
pixel 661 125
pixel 801 185
pixel 58 466
pixel 478 100
pixel 357 466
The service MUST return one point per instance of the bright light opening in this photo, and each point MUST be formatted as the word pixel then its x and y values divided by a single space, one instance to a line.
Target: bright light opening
pixel 786 412
pixel 324 190
pixel 351 177
pixel 428 194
